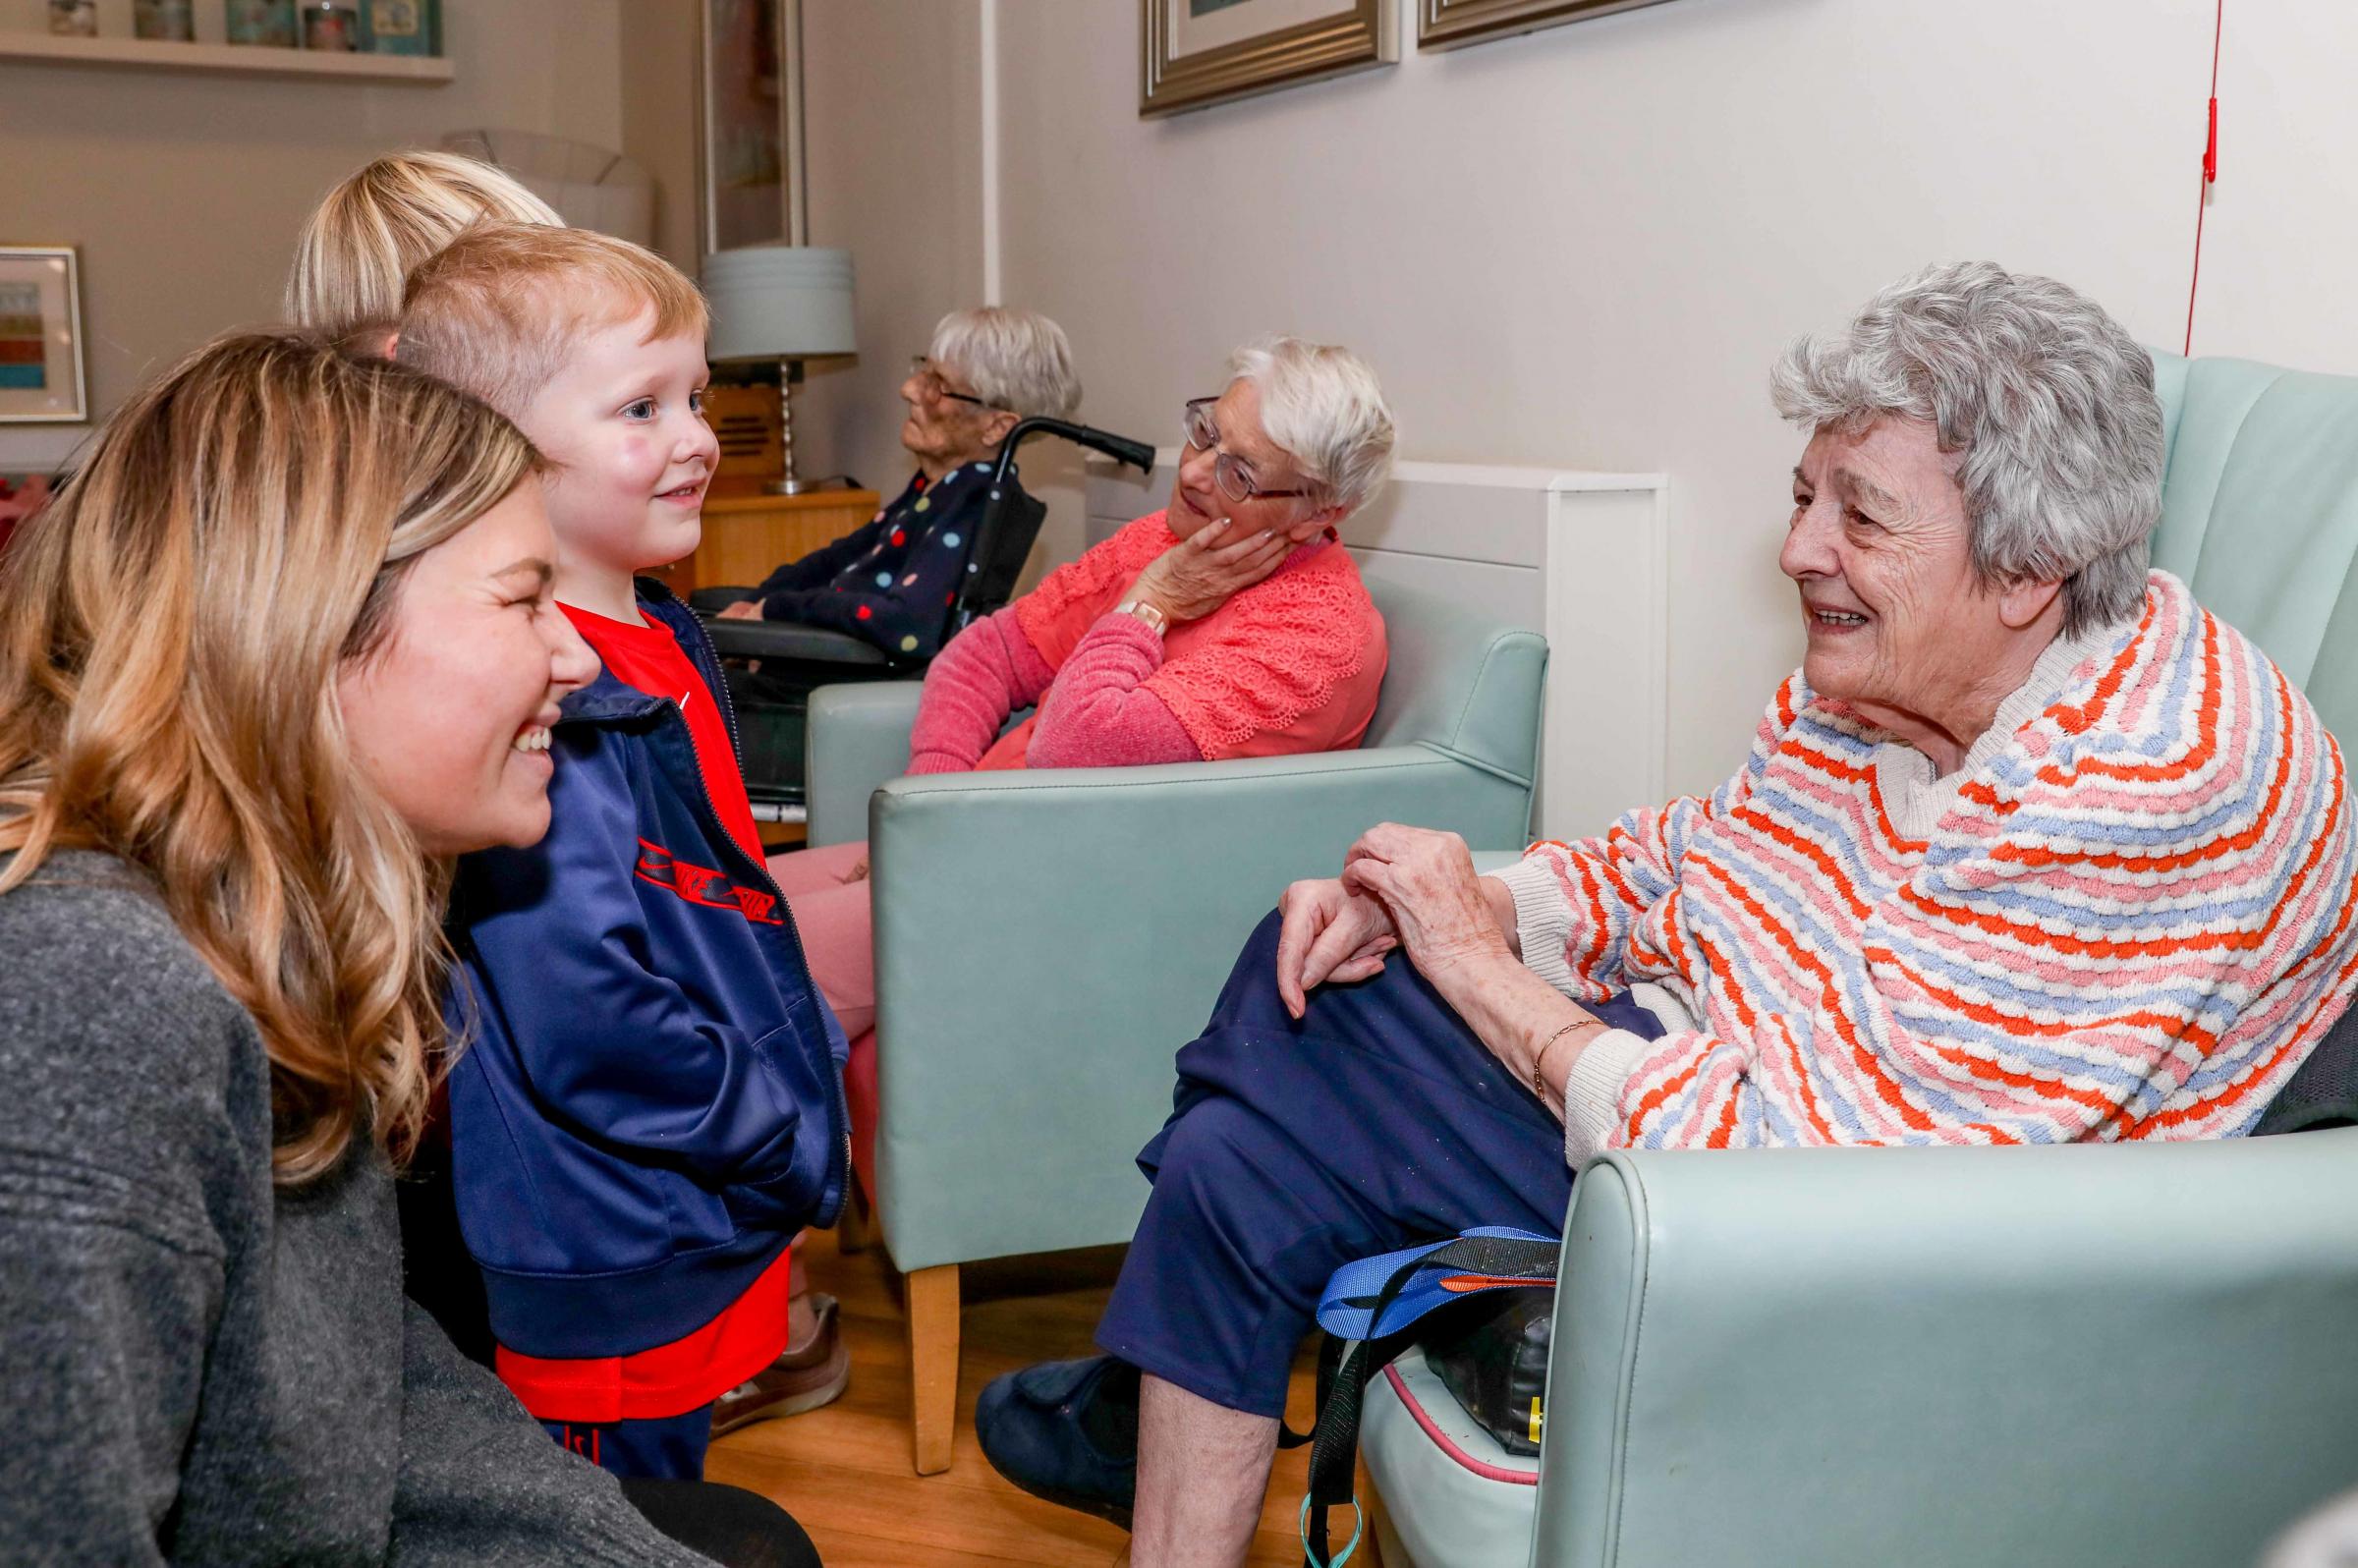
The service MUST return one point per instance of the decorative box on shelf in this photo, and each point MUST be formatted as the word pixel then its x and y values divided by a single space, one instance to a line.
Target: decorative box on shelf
pixel 384 41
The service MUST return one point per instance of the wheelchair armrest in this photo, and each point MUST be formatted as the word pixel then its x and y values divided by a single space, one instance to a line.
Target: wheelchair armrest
pixel 787 640
pixel 709 601
pixel 858 737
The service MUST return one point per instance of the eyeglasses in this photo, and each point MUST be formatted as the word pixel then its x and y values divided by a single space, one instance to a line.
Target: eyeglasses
pixel 1228 471
pixel 935 389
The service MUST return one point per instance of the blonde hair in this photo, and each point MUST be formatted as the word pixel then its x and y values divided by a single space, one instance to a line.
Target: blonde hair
pixel 385 219
pixel 171 631
pixel 503 307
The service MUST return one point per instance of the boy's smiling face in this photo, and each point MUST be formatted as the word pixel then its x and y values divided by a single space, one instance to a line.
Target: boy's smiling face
pixel 622 421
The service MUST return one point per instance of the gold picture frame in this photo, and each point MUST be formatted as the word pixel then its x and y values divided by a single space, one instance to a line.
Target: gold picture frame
pixel 1453 24
pixel 43 379
pixel 1351 35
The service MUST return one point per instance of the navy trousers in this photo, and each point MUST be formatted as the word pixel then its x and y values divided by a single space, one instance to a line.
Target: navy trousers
pixel 1377 1121
pixel 671 1448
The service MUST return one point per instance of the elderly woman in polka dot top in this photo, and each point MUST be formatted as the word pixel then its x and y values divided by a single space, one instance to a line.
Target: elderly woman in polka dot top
pixel 889 582
pixel 1230 624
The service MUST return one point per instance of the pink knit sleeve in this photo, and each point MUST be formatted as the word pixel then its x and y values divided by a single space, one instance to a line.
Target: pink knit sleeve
pixel 987 672
pixel 1099 713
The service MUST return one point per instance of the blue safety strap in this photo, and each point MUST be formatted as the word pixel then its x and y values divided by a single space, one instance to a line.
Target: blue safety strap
pixel 1365 1309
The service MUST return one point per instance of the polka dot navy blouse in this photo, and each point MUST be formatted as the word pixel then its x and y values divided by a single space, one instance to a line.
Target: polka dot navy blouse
pixel 892 581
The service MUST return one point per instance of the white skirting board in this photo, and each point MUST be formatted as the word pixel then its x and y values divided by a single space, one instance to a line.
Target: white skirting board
pixel 1580 557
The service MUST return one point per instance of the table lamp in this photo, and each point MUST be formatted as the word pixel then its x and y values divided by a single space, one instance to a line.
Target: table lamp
pixel 787 302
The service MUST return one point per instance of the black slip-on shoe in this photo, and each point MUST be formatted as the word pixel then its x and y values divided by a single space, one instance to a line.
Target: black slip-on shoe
pixel 1034 1426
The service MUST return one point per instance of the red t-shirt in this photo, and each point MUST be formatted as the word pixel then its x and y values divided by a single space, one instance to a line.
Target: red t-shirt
pixel 648 659
pixel 750 1331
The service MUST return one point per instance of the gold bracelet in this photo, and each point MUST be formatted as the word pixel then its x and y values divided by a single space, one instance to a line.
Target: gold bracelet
pixel 1547 1044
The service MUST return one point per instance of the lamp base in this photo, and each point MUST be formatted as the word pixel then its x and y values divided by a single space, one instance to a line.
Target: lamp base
pixel 794 487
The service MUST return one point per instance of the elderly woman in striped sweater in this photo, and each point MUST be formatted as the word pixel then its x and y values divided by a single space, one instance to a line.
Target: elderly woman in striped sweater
pixel 2031 848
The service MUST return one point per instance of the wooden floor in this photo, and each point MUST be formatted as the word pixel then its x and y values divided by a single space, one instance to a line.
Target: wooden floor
pixel 844 1470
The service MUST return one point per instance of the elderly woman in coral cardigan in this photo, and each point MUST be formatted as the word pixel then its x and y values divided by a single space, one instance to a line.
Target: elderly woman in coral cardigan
pixel 1230 624
pixel 2031 850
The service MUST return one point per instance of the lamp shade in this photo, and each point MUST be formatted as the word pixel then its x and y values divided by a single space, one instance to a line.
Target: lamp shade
pixel 778 302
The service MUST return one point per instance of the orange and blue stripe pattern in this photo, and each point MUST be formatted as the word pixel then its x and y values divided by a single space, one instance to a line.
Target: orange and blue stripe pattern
pixel 2133 920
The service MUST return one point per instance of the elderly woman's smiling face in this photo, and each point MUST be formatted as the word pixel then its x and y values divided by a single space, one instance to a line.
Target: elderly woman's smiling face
pixel 1899 624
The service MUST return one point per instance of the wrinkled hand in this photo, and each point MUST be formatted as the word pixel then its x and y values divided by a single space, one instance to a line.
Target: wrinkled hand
pixel 1193 577
pixel 858 872
pixel 1425 882
pixel 743 610
pixel 1328 932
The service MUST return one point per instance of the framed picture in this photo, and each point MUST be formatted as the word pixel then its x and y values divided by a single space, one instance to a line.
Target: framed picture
pixel 1448 24
pixel 1201 52
pixel 41 379
pixel 752 112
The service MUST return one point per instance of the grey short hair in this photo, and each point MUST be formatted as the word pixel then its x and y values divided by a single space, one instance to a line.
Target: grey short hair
pixel 1323 406
pixel 1019 361
pixel 2050 402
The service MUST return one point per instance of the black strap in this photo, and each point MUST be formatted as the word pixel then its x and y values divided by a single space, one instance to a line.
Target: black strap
pixel 1345 1366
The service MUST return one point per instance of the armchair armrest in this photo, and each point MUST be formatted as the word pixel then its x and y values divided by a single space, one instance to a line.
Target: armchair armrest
pixel 858 737
pixel 2093 1352
pixel 1046 940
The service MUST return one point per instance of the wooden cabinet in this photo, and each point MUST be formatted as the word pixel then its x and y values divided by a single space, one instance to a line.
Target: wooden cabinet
pixel 749 536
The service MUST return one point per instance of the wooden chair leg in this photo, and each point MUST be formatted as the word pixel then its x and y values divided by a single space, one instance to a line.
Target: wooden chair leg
pixel 856 1226
pixel 933 1364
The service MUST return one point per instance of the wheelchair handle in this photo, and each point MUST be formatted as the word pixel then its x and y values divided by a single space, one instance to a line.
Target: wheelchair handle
pixel 1137 454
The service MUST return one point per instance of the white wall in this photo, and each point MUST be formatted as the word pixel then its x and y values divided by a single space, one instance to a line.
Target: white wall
pixel 1584 247
pixel 185 191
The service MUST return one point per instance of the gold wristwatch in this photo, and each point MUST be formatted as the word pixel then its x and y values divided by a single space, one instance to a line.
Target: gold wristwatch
pixel 1146 615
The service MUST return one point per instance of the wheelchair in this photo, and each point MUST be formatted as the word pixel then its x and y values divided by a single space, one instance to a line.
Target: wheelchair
pixel 773 702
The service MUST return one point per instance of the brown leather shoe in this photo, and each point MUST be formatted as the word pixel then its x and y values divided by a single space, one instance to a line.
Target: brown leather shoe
pixel 808 1376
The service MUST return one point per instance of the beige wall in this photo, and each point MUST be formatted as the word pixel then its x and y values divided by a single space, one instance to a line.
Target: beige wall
pixel 658 64
pixel 185 191
pixel 1585 246
pixel 893 114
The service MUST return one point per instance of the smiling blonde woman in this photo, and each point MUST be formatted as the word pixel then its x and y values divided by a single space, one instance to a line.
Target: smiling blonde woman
pixel 282 647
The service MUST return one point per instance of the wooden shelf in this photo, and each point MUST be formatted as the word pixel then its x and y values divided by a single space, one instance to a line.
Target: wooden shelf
pixel 226 59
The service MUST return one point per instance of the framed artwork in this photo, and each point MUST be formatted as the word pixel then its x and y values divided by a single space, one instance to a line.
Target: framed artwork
pixel 41 377
pixel 752 114
pixel 1199 52
pixel 1448 24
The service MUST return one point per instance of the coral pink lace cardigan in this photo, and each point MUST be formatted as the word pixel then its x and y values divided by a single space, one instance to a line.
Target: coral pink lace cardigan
pixel 1290 664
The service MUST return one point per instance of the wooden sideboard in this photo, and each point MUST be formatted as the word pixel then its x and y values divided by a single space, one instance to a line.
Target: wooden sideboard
pixel 749 534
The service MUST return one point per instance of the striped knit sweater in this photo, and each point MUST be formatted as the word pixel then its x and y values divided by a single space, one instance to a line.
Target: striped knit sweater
pixel 2128 914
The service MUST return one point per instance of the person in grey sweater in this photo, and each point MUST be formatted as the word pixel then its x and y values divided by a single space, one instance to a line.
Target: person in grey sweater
pixel 225 786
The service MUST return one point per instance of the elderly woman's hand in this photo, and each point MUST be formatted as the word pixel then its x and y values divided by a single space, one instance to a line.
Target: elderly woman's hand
pixel 1328 934
pixel 1194 577
pixel 743 610
pixel 1425 881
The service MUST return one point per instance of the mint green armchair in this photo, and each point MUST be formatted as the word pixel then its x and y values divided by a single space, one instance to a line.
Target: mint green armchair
pixel 1045 940
pixel 1932 1356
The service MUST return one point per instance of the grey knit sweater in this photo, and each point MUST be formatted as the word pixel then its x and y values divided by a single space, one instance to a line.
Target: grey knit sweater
pixel 196 1367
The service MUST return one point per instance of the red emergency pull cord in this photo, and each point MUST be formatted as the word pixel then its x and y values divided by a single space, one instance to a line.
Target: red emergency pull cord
pixel 2202 200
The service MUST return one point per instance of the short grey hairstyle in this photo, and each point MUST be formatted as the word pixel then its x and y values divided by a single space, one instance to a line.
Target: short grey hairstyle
pixel 2049 401
pixel 1325 408
pixel 1018 360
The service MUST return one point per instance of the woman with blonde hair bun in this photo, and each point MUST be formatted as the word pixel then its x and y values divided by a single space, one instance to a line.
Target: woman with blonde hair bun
pixel 384 219
pixel 281 649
